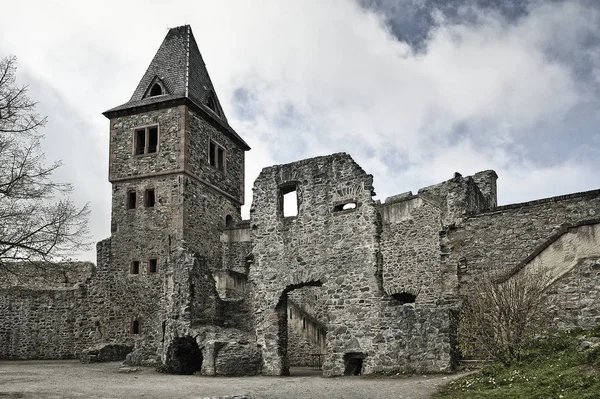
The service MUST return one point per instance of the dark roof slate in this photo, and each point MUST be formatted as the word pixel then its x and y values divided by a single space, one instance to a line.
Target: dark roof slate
pixel 180 67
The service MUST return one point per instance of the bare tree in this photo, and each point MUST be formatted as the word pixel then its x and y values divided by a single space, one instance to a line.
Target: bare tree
pixel 500 319
pixel 38 222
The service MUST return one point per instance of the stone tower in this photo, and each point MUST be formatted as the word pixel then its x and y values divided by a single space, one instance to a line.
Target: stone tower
pixel 177 174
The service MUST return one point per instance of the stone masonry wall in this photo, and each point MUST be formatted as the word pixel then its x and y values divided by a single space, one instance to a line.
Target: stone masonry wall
pixel 43 308
pixel 338 250
pixel 230 180
pixel 576 296
pixel 496 241
pixel 40 324
pixel 410 249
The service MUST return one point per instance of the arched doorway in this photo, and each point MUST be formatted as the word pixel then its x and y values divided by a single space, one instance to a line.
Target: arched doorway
pixel 301 319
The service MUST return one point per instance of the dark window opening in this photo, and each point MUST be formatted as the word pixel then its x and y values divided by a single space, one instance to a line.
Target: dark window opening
pixel 135 327
pixel 146 140
pixel 152 265
pixel 211 154
pixel 216 156
pixel 353 363
pixel 152 139
pixel 404 297
pixel 345 207
pixel 131 200
pixel 149 198
pixel 220 158
pixel 228 221
pixel 164 330
pixel 290 313
pixel 156 90
pixel 304 323
pixel 289 200
pixel 140 141
pixel 135 267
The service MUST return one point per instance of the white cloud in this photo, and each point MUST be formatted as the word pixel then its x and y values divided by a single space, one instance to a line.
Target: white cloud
pixel 328 76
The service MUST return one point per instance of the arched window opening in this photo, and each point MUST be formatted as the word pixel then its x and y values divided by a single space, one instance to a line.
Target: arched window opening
pixel 228 221
pixel 156 90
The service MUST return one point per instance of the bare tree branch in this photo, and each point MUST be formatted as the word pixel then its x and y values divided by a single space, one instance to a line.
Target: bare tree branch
pixel 38 223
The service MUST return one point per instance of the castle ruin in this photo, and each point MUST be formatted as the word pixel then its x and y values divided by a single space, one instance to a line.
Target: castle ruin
pixel 356 285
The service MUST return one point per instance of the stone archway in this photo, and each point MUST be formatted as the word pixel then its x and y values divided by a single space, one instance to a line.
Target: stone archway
pixel 273 334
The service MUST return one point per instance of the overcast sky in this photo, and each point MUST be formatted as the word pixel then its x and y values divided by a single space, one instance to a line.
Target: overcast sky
pixel 414 90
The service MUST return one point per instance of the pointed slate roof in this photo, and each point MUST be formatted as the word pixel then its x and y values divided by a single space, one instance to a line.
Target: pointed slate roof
pixel 179 68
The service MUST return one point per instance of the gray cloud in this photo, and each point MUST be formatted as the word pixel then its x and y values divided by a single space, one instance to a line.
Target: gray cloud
pixel 413 90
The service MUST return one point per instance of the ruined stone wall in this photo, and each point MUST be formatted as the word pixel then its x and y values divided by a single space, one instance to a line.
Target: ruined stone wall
pixel 336 249
pixel 410 249
pixel 497 241
pixel 39 324
pixel 236 247
pixel 43 308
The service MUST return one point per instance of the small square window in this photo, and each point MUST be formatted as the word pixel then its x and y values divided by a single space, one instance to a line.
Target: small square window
pixel 149 198
pixel 152 265
pixel 135 267
pixel 131 200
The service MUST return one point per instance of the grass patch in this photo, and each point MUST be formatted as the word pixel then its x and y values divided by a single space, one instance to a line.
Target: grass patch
pixel 556 367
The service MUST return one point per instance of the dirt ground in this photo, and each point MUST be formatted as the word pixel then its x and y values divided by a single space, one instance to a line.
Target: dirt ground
pixel 70 379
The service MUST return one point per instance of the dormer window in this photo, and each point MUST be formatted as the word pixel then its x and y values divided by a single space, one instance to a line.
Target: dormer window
pixel 211 103
pixel 156 90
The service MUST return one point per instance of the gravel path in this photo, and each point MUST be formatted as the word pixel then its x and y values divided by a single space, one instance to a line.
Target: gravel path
pixel 70 379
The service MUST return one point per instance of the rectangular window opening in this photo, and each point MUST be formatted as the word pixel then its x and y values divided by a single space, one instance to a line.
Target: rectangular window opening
pixel 216 156
pixel 146 140
pixel 290 203
pixel 140 141
pixel 135 327
pixel 152 139
pixel 131 200
pixel 152 265
pixel 220 158
pixel 135 267
pixel 211 154
pixel 149 198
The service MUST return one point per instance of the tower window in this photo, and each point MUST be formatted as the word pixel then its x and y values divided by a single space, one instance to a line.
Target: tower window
pixel 135 327
pixel 228 221
pixel 156 90
pixel 149 198
pixel 216 156
pixel 152 265
pixel 135 267
pixel 146 140
pixel 131 199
